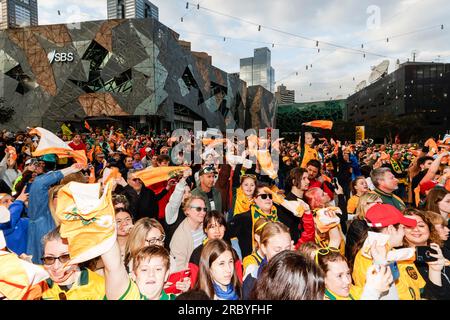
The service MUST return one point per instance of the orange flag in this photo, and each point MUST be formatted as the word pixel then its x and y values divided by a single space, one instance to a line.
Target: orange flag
pixel 265 161
pixel 323 124
pixel 17 276
pixel 90 154
pixel 87 219
pixel 154 175
pixel 432 145
pixel 109 174
pixel 50 143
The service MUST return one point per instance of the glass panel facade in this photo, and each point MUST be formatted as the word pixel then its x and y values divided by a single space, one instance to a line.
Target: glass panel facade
pixel 23 16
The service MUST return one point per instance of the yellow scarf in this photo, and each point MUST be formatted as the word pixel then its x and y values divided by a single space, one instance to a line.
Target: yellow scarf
pixel 257 213
pixel 242 203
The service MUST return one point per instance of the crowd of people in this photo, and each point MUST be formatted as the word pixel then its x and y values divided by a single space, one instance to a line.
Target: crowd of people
pixel 340 221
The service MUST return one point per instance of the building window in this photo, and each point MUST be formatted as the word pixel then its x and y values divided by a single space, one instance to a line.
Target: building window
pixel 23 16
pixel 121 9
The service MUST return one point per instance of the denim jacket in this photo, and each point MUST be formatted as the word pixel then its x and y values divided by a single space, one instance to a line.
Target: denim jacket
pixel 41 220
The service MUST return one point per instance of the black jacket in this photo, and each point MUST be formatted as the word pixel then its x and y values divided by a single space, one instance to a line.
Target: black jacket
pixel 144 204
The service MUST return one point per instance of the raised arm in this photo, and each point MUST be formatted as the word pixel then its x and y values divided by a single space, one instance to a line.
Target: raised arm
pixel 116 277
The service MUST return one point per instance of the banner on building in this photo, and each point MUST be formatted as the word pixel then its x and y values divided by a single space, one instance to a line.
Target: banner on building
pixel 359 131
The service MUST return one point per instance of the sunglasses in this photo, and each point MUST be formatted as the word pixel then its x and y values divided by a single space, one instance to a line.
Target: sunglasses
pixel 51 260
pixel 264 196
pixel 198 209
pixel 155 240
pixel 324 252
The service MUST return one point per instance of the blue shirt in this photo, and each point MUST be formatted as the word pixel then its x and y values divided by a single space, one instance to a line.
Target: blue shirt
pixel 41 221
pixel 16 229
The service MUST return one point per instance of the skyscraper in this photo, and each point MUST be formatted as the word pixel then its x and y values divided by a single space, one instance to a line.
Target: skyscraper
pixel 18 13
pixel 257 70
pixel 130 9
pixel 284 96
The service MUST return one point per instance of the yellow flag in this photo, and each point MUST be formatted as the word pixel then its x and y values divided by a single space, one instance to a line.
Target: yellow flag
pixel 87 219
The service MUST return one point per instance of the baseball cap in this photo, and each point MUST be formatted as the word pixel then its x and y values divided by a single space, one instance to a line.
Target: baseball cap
pixel 208 169
pixel 148 149
pixel 382 215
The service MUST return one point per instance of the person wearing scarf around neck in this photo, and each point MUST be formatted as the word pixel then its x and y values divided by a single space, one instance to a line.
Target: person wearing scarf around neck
pixel 217 273
pixel 243 195
pixel 241 226
pixel 275 237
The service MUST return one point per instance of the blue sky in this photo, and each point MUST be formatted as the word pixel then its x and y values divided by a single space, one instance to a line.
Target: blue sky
pixel 347 23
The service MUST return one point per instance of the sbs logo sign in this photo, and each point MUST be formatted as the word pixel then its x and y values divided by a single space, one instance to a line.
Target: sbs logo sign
pixel 54 56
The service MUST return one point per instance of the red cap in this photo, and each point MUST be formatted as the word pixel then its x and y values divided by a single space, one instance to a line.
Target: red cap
pixel 382 215
pixel 427 185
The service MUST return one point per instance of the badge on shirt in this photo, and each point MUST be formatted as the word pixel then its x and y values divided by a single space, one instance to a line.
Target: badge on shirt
pixel 412 273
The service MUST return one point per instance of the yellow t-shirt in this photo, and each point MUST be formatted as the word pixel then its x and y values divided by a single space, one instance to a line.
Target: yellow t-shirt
pixel 89 286
pixel 133 293
pixel 352 203
pixel 324 242
pixel 251 259
pixel 409 284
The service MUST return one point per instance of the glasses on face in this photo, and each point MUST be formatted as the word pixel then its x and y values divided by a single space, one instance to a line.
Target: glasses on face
pixel 264 196
pixel 199 209
pixel 49 260
pixel 155 240
pixel 374 202
pixel 324 252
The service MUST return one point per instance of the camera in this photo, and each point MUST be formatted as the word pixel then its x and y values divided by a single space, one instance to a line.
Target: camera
pixel 423 254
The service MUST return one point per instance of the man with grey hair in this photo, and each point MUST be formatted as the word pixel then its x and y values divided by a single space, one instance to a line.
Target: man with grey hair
pixel 385 184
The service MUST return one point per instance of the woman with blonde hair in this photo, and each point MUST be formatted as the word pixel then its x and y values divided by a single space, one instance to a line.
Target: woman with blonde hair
pixel 357 231
pixel 189 234
pixel 146 232
pixel 359 188
pixel 217 274
pixel 275 237
pixel 253 261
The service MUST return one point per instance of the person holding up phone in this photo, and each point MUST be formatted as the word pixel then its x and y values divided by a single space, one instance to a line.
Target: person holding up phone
pixel 387 222
pixel 338 279
pixel 429 258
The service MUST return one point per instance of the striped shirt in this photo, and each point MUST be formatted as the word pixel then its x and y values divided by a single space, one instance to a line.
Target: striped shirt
pixel 198 236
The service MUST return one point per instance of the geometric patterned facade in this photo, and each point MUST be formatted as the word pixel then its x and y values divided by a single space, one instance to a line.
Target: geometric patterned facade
pixel 122 67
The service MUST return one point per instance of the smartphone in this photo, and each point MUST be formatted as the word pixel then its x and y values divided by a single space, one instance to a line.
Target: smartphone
pixel 423 254
pixel 394 270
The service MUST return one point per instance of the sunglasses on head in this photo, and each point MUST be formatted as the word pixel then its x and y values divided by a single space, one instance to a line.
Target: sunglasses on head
pixel 51 260
pixel 264 196
pixel 198 209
